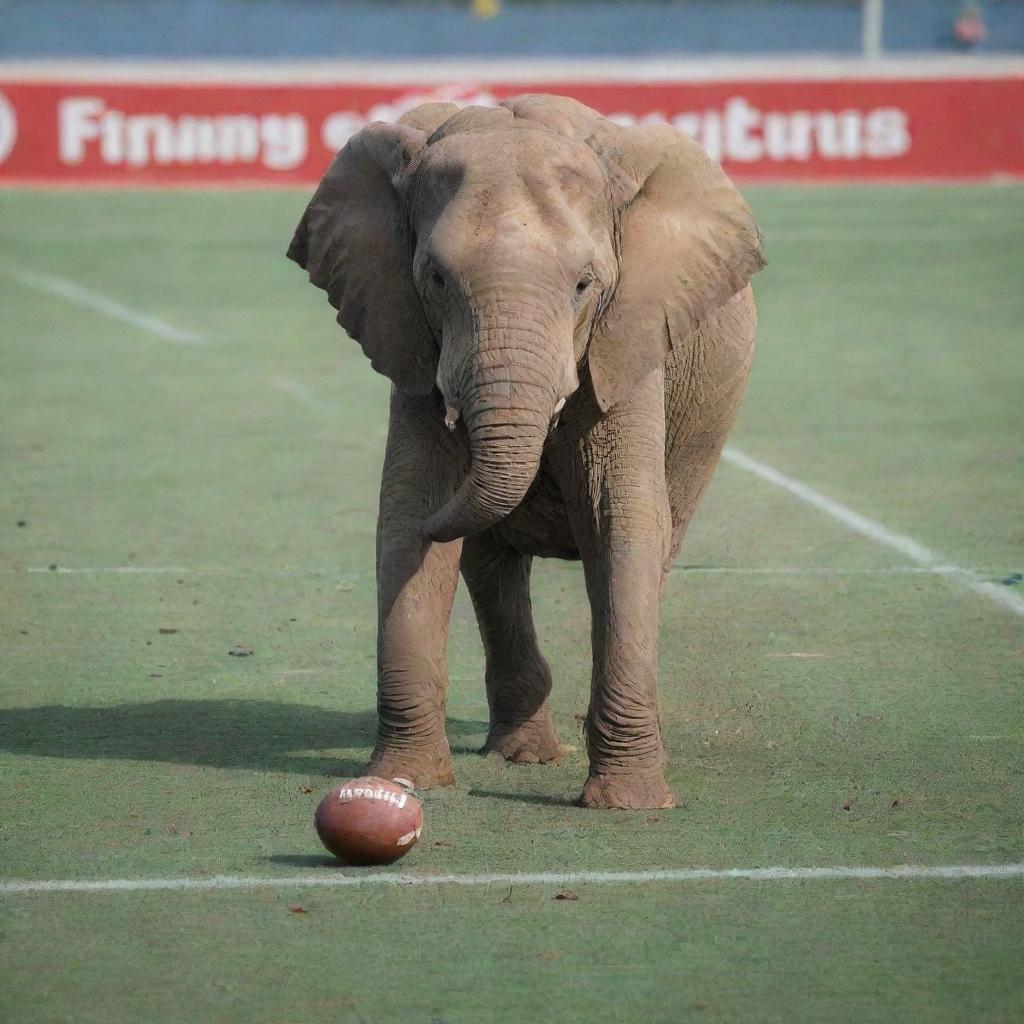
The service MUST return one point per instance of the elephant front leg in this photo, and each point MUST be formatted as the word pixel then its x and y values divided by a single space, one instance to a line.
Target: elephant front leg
pixel 416 583
pixel 618 500
pixel 627 759
pixel 518 677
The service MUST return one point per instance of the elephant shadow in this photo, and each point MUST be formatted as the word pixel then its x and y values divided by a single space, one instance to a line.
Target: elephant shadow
pixel 260 735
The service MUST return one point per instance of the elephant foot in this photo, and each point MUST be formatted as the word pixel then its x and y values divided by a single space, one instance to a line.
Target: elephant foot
pixel 425 769
pixel 531 742
pixel 628 792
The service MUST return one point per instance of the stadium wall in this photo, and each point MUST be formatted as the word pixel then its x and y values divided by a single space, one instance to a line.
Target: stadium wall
pixel 181 125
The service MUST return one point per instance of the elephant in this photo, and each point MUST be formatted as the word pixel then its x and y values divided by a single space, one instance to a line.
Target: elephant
pixel 563 307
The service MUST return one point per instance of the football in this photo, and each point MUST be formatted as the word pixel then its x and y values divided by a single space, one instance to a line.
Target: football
pixel 369 820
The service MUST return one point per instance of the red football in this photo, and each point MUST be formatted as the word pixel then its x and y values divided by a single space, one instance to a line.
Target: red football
pixel 369 821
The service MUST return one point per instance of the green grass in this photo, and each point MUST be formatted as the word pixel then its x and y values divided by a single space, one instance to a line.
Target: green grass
pixel 889 377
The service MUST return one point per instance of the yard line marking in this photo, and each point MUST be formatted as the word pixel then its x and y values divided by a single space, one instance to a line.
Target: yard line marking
pixel 336 878
pixel 708 570
pixel 785 570
pixel 128 570
pixel 349 579
pixel 907 234
pixel 101 304
pixel 874 530
pixel 302 395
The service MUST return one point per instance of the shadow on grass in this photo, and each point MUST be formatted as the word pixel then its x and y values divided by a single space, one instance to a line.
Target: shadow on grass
pixel 526 798
pixel 257 734
pixel 304 860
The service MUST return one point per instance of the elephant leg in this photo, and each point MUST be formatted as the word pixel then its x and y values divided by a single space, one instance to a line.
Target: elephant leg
pixel 416 583
pixel 619 507
pixel 518 677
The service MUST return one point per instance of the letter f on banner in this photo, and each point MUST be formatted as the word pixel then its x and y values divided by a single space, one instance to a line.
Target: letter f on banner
pixel 8 128
pixel 79 120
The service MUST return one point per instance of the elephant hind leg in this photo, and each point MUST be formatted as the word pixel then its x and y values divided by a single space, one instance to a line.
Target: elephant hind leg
pixel 518 678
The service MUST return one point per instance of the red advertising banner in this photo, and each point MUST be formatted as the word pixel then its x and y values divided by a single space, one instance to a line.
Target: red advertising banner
pixel 156 133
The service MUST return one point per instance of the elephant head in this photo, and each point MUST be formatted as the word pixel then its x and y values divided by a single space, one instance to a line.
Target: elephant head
pixel 499 254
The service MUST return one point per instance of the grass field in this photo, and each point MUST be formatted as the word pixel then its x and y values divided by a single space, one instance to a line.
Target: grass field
pixel 827 699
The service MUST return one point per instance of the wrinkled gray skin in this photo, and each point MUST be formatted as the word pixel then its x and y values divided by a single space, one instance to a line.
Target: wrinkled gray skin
pixel 495 263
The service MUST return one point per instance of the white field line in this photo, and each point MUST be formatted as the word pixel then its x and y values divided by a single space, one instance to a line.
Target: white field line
pixel 882 535
pixel 101 304
pixel 121 570
pixel 795 570
pixel 302 395
pixel 905 234
pixel 703 570
pixel 332 878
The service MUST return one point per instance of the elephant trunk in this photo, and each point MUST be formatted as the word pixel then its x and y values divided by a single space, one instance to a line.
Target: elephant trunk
pixel 508 423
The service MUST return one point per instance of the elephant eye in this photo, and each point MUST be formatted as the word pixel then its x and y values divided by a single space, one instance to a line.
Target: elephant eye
pixel 582 287
pixel 434 279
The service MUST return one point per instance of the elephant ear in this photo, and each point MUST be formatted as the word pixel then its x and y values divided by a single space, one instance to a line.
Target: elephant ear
pixel 687 243
pixel 354 241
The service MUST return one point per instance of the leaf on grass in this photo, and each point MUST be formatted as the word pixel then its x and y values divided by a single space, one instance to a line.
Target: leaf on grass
pixel 566 894
pixel 296 908
pixel 166 631
pixel 846 806
pixel 240 652
pixel 896 802
pixel 653 819
pixel 305 789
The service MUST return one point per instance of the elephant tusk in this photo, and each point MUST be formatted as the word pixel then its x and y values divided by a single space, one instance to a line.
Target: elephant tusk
pixel 555 417
pixel 451 417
